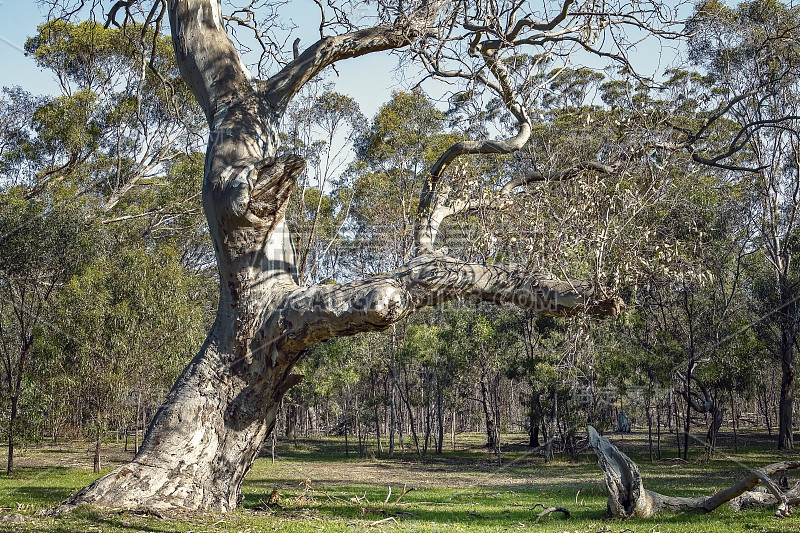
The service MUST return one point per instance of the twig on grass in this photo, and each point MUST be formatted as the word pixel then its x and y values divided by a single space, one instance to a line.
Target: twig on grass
pixel 405 491
pixel 383 521
pixel 548 511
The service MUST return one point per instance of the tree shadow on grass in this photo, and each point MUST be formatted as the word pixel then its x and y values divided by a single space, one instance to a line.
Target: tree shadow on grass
pixel 84 518
pixel 486 508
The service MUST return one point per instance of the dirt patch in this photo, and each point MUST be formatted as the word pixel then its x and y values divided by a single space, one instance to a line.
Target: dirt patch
pixel 71 454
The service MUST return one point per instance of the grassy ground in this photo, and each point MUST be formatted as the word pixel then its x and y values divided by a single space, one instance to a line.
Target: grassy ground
pixel 314 487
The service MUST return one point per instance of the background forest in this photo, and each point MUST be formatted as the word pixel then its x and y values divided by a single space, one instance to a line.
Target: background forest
pixel 108 281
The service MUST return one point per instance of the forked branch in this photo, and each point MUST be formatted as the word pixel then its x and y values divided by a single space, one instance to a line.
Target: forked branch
pixel 281 87
pixel 428 226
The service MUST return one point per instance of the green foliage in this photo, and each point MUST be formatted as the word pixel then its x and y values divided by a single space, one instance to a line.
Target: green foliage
pixel 67 124
pixel 401 131
pixel 128 324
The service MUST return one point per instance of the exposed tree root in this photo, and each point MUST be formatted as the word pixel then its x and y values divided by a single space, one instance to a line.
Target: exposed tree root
pixel 627 496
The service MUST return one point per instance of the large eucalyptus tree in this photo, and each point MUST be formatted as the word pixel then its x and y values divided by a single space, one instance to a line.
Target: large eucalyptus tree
pixel 205 437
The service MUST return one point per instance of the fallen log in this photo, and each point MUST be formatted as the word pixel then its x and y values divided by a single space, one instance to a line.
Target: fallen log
pixel 627 496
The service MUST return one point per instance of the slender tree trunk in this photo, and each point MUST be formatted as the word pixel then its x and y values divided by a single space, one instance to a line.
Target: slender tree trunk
pixel 658 430
pixel 677 426
pixel 400 426
pixel 487 415
pixel 12 420
pixel 379 448
pixel 713 429
pixel 670 405
pixel 427 415
pixel 735 423
pixel 360 438
pixel 533 425
pixel 393 392
pixel 496 414
pixel 98 443
pixel 786 404
pixel 410 413
pixel 536 415
pixel 767 418
pixel 346 427
pixel 139 413
pixel 439 416
pixel 649 432
pixel 548 449
pixel 291 422
pixel 453 429
pixel 687 421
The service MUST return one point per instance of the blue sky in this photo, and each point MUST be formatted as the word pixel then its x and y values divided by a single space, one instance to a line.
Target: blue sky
pixel 369 80
pixel 18 21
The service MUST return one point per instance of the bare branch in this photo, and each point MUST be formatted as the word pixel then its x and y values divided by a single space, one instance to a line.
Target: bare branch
pixel 536 176
pixel 325 311
pixel 111 19
pixel 282 86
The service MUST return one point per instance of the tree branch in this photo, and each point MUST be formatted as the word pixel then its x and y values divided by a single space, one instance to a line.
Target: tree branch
pixel 428 229
pixel 535 176
pixel 326 311
pixel 206 56
pixel 282 86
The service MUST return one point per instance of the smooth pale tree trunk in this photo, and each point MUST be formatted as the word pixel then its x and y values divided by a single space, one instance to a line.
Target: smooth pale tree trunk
pixel 204 438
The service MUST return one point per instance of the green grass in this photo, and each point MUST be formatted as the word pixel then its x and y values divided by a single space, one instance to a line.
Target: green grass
pixel 464 490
